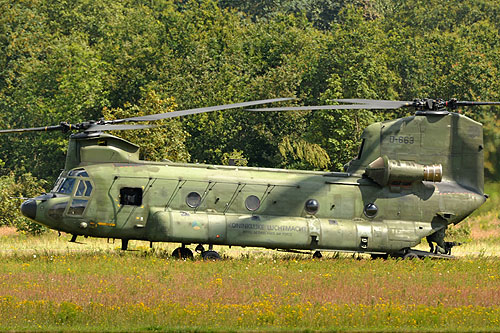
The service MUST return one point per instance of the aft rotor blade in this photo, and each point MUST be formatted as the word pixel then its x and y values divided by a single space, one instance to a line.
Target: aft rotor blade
pixel 200 110
pixel 359 105
pixel 33 129
pixel 470 103
pixel 386 104
pixel 100 128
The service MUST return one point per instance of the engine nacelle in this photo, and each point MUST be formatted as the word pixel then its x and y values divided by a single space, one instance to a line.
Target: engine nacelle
pixel 385 171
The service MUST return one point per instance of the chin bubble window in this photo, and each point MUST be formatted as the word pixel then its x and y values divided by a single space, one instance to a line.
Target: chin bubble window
pixel 77 207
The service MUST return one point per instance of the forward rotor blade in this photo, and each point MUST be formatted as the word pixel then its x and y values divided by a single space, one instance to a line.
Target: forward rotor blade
pixel 33 129
pixel 200 110
pixel 100 128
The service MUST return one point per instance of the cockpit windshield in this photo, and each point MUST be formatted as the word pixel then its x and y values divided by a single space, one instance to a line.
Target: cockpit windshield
pixel 66 184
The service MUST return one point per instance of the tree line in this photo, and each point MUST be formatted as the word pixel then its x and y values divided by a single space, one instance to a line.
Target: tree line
pixel 79 60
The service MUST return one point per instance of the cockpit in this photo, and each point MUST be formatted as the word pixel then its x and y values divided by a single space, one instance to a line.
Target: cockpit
pixel 70 197
pixel 76 184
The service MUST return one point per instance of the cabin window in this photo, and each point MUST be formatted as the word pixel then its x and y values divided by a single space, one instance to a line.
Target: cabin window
pixel 252 203
pixel 131 196
pixel 371 210
pixel 193 199
pixel 312 206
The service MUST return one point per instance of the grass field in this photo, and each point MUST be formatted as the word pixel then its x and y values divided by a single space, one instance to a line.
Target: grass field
pixel 47 283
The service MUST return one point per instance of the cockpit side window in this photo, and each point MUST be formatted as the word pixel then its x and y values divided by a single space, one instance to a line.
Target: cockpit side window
pixel 82 194
pixel 88 191
pixel 84 189
pixel 80 191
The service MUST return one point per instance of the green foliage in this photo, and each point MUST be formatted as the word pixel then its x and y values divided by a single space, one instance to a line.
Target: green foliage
pixel 235 157
pixel 459 233
pixel 12 191
pixel 493 202
pixel 82 60
pixel 310 154
pixel 166 142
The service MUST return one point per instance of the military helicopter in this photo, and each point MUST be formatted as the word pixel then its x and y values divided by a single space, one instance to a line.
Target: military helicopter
pixel 412 178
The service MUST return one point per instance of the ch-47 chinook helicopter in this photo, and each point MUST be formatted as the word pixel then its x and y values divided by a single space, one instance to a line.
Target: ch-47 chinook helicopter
pixel 412 178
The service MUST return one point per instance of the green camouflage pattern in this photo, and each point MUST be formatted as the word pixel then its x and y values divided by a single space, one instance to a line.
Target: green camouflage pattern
pixel 205 204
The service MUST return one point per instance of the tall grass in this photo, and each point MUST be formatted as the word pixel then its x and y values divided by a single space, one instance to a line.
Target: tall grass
pixel 142 290
pixel 47 283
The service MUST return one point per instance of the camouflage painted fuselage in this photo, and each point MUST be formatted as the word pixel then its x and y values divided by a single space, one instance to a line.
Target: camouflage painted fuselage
pixel 186 203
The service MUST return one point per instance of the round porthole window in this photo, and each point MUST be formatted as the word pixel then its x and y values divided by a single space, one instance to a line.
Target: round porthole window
pixel 252 203
pixel 193 199
pixel 371 210
pixel 312 206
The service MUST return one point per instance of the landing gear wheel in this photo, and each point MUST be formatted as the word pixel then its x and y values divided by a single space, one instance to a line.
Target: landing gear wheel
pixel 317 255
pixel 410 256
pixel 182 253
pixel 210 255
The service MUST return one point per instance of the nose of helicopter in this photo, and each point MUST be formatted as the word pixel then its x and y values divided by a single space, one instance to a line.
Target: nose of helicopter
pixel 28 208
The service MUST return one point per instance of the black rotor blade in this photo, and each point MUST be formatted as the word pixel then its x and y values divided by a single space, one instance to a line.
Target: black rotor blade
pixel 34 129
pixel 470 103
pixel 109 127
pixel 199 110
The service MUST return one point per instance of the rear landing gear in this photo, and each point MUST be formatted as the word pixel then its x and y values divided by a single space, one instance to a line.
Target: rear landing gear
pixel 210 255
pixel 410 256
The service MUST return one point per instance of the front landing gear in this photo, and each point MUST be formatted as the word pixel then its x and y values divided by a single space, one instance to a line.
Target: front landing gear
pixel 182 253
pixel 317 255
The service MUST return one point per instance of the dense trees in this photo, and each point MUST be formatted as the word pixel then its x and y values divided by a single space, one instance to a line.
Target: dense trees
pixel 78 60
